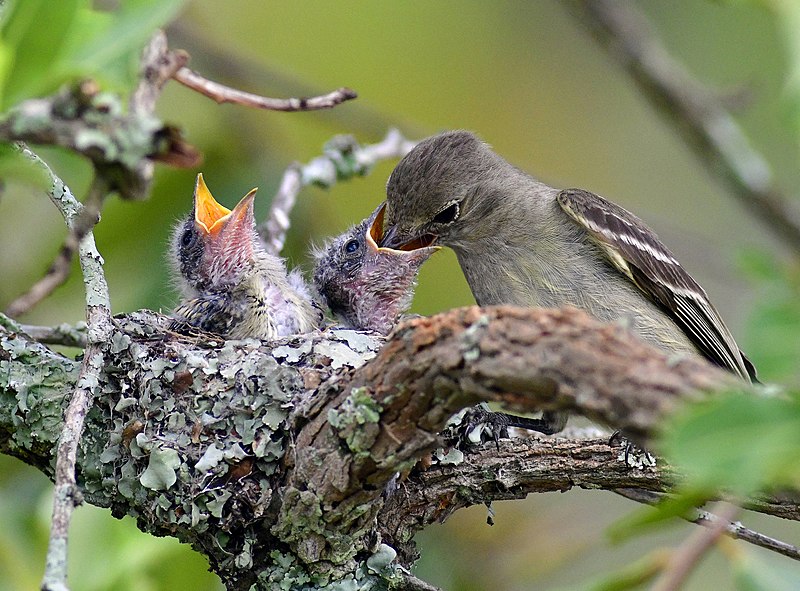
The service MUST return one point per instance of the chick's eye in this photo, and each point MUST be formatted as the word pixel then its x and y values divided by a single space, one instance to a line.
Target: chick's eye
pixel 351 246
pixel 448 215
pixel 187 238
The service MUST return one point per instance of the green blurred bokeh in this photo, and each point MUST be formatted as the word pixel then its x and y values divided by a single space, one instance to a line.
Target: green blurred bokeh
pixel 528 79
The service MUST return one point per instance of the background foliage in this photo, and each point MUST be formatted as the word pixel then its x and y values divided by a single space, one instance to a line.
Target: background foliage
pixel 522 74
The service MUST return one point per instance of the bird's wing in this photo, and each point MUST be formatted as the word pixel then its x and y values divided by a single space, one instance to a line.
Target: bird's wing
pixel 210 312
pixel 635 250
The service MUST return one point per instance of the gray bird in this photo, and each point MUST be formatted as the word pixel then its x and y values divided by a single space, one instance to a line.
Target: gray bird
pixel 230 285
pixel 365 286
pixel 520 241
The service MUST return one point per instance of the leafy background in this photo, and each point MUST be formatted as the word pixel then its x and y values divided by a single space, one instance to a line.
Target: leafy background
pixel 528 79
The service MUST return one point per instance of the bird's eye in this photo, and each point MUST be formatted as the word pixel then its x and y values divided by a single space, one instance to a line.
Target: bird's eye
pixel 448 215
pixel 188 237
pixel 351 246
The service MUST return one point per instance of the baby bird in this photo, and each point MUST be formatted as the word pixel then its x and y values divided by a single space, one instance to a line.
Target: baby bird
pixel 365 286
pixel 230 285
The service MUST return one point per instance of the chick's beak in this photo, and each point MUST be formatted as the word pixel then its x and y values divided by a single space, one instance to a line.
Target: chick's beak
pixel 207 212
pixel 228 235
pixel 394 239
pixel 238 224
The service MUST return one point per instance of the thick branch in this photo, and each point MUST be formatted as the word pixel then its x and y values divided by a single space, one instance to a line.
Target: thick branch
pixel 512 470
pixel 390 412
pixel 706 124
pixel 534 359
pixel 196 436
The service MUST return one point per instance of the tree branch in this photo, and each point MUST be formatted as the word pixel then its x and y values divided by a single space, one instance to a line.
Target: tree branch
pixel 67 335
pixel 735 530
pixel 92 123
pixel 225 94
pixel 287 447
pixel 707 126
pixel 99 329
pixel 343 160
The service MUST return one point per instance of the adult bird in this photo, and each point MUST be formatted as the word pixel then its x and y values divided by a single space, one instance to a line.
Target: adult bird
pixel 520 241
pixel 364 285
pixel 230 285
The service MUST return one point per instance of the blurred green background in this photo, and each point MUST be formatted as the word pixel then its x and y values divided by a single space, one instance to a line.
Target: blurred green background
pixel 531 82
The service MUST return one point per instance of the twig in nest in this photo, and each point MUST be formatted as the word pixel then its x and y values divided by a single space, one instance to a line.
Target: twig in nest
pixel 63 334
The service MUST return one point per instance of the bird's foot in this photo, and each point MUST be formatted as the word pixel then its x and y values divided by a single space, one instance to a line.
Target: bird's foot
pixel 634 456
pixel 477 425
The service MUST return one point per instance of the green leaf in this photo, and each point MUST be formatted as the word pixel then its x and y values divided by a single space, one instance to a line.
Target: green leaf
pixel 33 35
pixel 682 504
pixel 737 442
pixel 109 44
pixel 44 44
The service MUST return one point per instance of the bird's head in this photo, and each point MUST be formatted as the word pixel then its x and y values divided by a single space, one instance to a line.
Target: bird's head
pixel 214 245
pixel 367 285
pixel 436 194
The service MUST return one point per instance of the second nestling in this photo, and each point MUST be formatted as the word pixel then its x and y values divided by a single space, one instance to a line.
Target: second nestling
pixel 230 285
pixel 364 285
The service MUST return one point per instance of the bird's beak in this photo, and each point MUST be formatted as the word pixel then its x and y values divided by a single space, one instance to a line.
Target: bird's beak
pixel 239 223
pixel 207 212
pixel 392 239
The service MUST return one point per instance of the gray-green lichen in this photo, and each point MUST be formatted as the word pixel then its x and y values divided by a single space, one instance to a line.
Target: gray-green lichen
pixel 32 387
pixel 358 410
pixel 190 437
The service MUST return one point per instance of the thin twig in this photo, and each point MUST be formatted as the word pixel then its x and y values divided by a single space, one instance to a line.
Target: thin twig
pixel 733 530
pixel 225 94
pixel 343 159
pixel 684 558
pixel 55 276
pixel 64 334
pixel 79 219
pixel 708 127
pixel 99 329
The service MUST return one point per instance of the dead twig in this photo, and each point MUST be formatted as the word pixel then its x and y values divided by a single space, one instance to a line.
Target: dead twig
pixel 225 94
